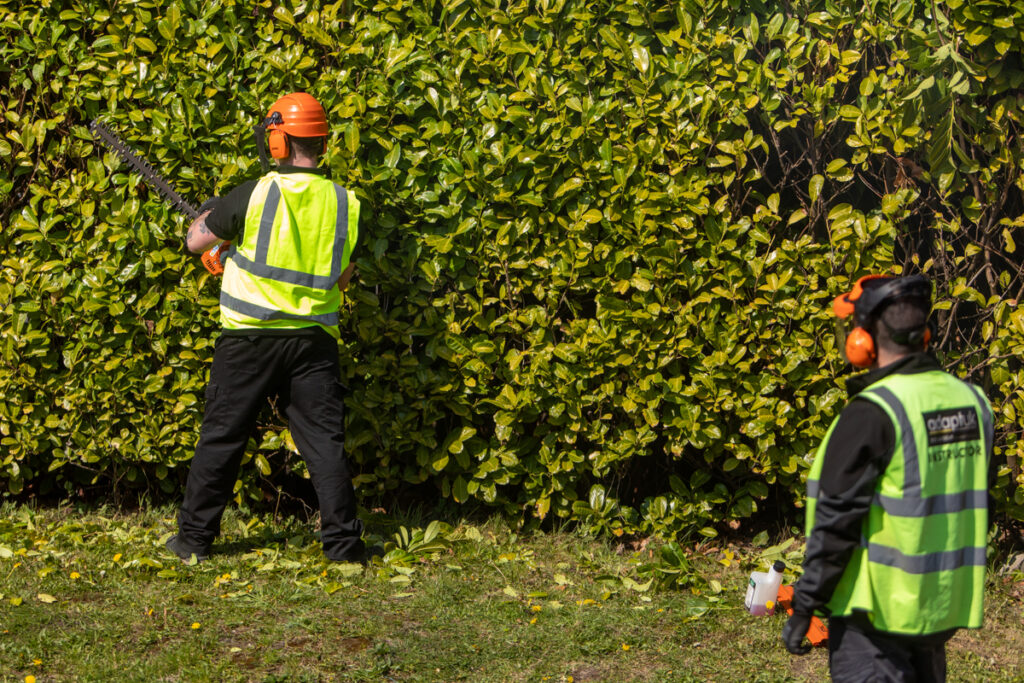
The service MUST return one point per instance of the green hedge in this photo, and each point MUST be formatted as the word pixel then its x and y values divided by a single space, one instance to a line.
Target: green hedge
pixel 601 238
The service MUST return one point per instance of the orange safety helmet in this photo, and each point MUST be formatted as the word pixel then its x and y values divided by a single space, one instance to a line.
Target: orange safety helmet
pixel 865 299
pixel 296 114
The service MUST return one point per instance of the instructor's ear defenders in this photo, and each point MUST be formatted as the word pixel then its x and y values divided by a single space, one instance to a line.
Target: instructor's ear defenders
pixel 277 140
pixel 280 148
pixel 862 301
pixel 857 344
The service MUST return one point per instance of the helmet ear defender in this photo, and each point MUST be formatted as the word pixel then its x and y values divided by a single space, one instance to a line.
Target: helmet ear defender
pixel 860 345
pixel 862 302
pixel 860 348
pixel 277 143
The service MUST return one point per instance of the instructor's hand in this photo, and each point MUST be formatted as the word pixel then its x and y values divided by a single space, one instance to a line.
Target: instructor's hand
pixel 793 634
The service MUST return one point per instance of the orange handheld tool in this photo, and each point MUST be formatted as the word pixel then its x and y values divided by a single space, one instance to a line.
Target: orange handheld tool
pixel 817 633
pixel 213 258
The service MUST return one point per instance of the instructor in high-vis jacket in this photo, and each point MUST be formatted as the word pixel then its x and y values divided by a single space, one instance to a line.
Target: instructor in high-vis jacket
pixel 292 235
pixel 897 499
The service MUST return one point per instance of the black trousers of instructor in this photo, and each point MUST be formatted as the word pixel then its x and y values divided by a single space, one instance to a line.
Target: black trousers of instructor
pixel 858 653
pixel 302 371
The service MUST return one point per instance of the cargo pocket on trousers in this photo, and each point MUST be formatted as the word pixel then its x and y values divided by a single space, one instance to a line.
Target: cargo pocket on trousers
pixel 334 402
pixel 209 410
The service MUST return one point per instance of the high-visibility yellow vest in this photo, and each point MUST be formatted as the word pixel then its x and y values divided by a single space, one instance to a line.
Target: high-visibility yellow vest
pixel 920 566
pixel 300 229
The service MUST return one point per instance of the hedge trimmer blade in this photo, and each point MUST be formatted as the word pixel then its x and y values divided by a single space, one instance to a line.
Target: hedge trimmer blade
pixel 163 188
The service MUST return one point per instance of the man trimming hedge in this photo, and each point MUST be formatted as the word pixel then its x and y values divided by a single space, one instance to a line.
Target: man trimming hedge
pixel 292 235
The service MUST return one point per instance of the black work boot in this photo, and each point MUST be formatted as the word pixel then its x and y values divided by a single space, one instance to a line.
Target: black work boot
pixel 186 552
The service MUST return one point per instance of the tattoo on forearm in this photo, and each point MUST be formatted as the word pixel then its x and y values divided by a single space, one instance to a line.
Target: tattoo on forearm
pixel 200 225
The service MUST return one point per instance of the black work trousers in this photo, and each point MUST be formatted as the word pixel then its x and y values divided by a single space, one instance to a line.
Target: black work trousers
pixel 857 653
pixel 302 372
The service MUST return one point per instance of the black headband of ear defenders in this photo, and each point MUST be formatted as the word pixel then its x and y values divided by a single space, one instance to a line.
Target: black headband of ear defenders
pixel 872 299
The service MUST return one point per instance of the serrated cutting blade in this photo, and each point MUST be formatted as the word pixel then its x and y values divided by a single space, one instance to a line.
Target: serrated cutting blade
pixel 149 174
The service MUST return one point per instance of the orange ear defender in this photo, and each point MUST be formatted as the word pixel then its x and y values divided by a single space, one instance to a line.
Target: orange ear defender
pixel 860 348
pixel 277 144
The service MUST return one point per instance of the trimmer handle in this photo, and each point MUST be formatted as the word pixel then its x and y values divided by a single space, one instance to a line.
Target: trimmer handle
pixel 817 632
pixel 213 258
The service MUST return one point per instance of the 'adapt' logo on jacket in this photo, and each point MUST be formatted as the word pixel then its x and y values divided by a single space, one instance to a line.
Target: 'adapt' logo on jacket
pixel 951 426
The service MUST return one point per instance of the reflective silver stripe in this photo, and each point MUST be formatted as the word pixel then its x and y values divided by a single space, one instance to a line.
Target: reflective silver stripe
pixel 259 267
pixel 262 313
pixel 340 232
pixel 932 505
pixel 267 222
pixel 942 561
pixel 292 277
pixel 911 466
pixel 813 485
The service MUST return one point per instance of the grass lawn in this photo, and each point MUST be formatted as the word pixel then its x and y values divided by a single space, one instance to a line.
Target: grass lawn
pixel 92 595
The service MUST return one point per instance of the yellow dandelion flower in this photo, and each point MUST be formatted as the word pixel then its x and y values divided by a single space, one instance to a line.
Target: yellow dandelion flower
pixel 37 662
pixel 30 679
pixel 536 608
pixel 625 646
pixel 117 557
pixel 533 621
pixel 75 575
pixel 195 625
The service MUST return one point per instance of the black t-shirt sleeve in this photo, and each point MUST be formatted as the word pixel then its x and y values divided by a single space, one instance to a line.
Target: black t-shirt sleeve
pixel 858 451
pixel 227 219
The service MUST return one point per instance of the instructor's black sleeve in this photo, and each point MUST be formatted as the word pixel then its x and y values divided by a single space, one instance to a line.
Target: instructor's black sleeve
pixel 228 218
pixel 857 453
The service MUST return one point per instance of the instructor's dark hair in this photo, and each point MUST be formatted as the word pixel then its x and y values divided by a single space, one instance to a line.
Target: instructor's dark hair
pixel 899 327
pixel 310 147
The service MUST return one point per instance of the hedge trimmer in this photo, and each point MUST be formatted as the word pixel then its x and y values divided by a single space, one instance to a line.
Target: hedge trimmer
pixel 212 259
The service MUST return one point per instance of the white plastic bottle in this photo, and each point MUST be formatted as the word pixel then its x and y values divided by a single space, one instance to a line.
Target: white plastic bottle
pixel 763 590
